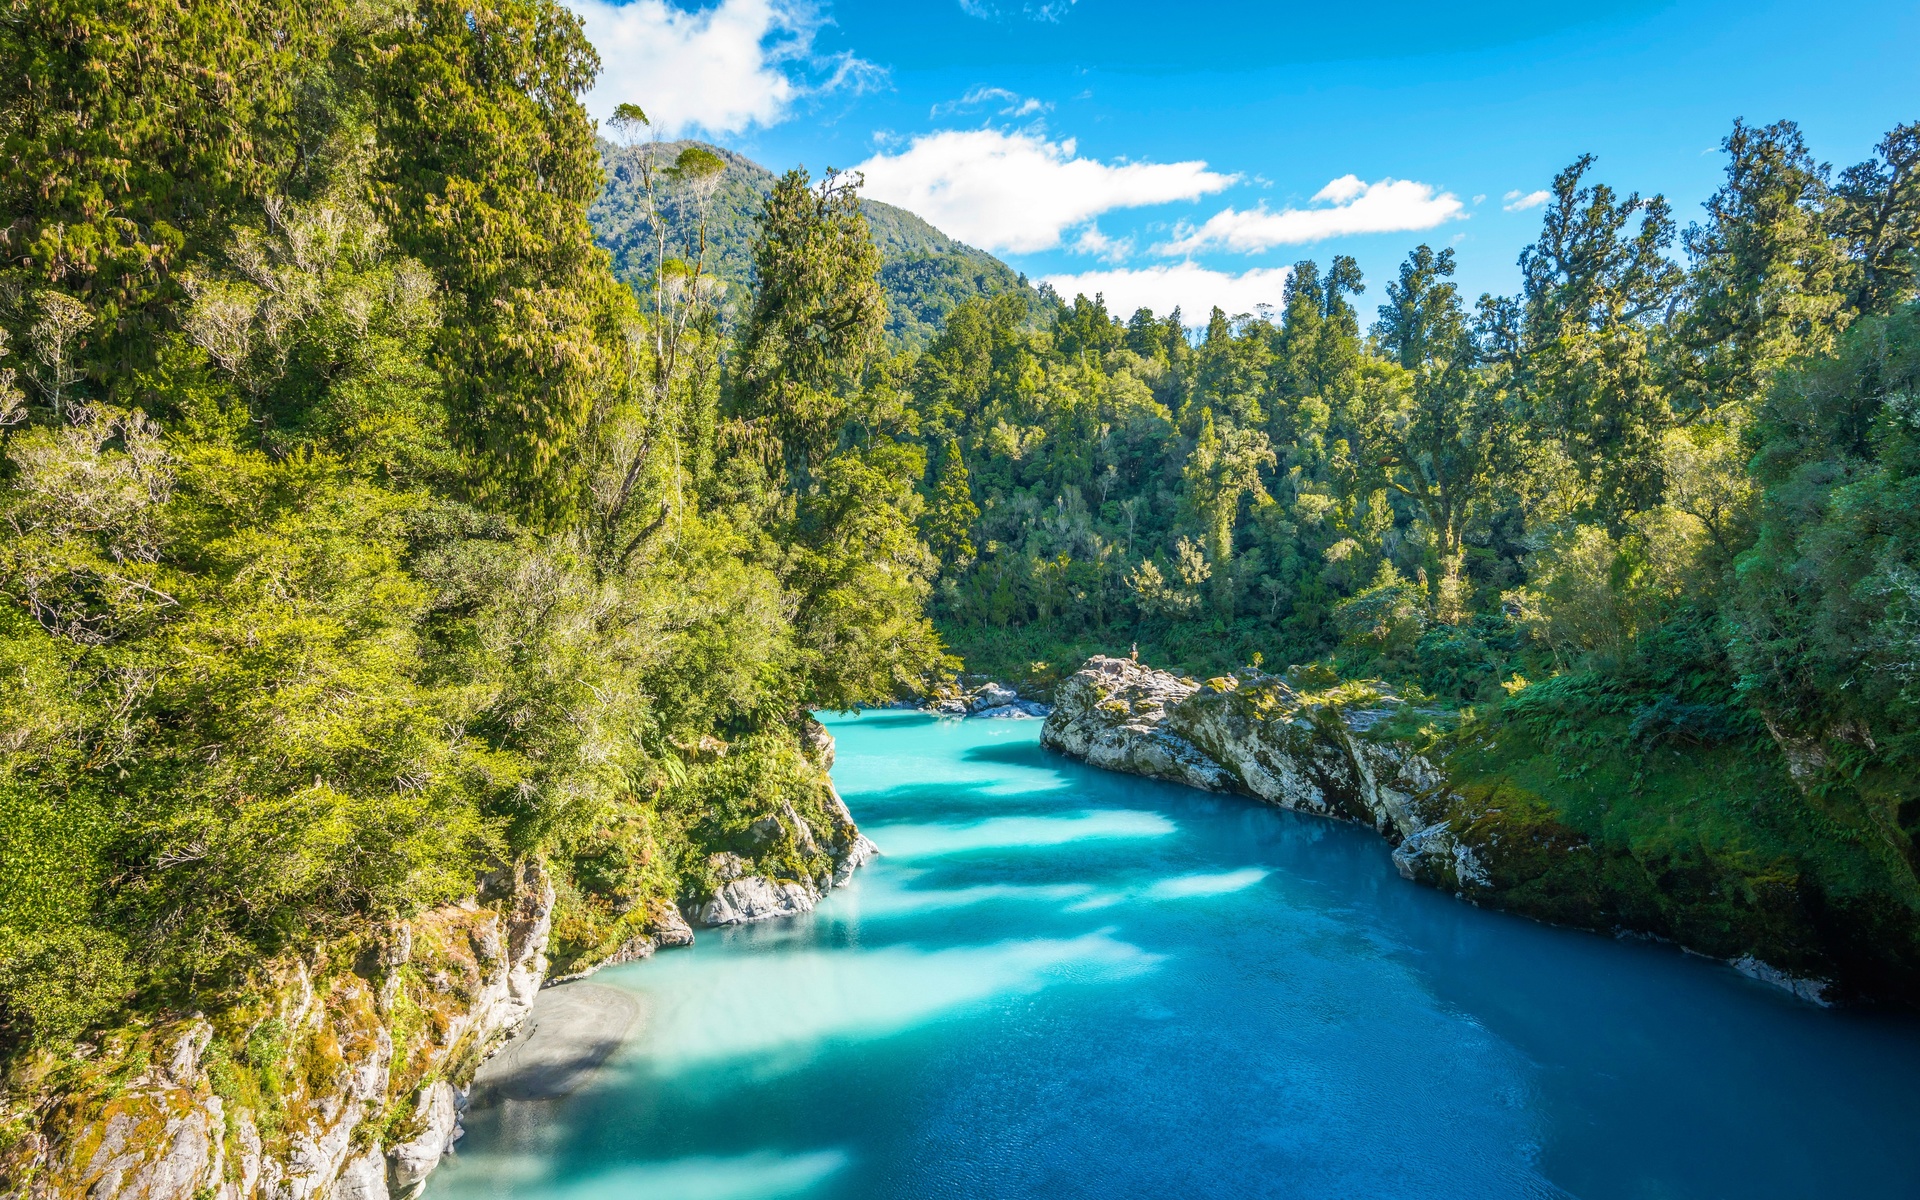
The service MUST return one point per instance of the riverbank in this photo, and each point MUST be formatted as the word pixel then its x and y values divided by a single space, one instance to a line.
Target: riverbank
pixel 1056 973
pixel 1478 811
pixel 340 1072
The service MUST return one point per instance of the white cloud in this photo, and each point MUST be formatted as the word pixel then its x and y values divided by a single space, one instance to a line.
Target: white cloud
pixel 1046 10
pixel 1019 191
pixel 1106 249
pixel 721 70
pixel 1349 205
pixel 1516 202
pixel 1016 105
pixel 1193 289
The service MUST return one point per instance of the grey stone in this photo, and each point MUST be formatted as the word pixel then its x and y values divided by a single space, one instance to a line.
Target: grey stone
pixel 363 1178
pixel 757 898
pixel 992 695
pixel 435 1117
pixel 858 855
pixel 1253 734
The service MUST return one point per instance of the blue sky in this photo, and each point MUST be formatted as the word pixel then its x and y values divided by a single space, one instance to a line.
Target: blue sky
pixel 1189 153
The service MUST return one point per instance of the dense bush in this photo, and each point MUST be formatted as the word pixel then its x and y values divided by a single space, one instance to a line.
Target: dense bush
pixel 362 533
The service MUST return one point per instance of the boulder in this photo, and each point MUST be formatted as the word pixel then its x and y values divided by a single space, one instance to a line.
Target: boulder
pixel 435 1119
pixel 756 898
pixel 363 1178
pixel 858 855
pixel 1018 710
pixel 992 695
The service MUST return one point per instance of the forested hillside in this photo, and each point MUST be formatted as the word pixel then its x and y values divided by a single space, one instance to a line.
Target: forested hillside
pixel 1651 522
pixel 367 533
pixel 924 272
pixel 365 536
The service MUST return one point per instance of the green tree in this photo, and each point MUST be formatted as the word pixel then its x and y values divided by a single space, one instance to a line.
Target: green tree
pixel 1426 427
pixel 1767 272
pixel 486 164
pixel 817 314
pixel 1223 468
pixel 1598 287
pixel 949 523
pixel 130 133
pixel 1877 211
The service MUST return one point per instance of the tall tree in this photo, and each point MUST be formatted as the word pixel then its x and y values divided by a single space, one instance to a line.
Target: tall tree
pixel 1767 272
pixel 486 163
pixel 1419 420
pixel 1877 211
pixel 1224 468
pixel 818 312
pixel 1598 287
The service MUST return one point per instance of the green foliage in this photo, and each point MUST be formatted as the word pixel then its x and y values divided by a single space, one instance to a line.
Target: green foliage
pixel 367 536
pixel 1823 607
pixel 817 309
pixel 486 163
pixel 1678 499
pixel 124 168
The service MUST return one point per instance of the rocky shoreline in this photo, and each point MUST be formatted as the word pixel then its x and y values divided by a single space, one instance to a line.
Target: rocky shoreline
pixel 1350 753
pixel 988 700
pixel 385 1043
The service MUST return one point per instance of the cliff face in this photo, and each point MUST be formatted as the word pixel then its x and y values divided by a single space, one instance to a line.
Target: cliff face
pixel 1353 753
pixel 1260 737
pixel 339 1082
pixel 341 1075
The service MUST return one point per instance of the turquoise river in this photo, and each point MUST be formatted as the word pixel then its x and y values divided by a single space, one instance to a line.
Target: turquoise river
pixel 1060 982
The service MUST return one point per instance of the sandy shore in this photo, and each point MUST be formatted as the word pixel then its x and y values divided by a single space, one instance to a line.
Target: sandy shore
pixel 571 1031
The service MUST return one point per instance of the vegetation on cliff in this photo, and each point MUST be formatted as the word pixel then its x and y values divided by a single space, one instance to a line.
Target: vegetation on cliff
pixel 364 533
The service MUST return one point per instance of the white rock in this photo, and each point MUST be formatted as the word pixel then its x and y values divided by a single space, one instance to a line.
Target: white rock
pixel 435 1116
pixel 1811 990
pixel 757 898
pixel 1116 713
pixel 993 695
pixel 862 852
pixel 363 1178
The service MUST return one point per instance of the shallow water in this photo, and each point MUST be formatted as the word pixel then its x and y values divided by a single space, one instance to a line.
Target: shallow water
pixel 1061 982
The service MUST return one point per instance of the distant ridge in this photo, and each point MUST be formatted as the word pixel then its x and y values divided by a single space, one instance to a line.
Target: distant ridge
pixel 925 272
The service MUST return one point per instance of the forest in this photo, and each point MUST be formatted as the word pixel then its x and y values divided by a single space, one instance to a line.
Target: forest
pixel 1645 533
pixel 365 532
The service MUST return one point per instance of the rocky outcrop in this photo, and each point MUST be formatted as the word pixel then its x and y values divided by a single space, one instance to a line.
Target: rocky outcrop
pixel 987 699
pixel 741 898
pixel 858 855
pixel 666 928
pixel 1353 752
pixel 1328 754
pixel 344 1079
pixel 289 1100
pixel 757 898
pixel 436 1122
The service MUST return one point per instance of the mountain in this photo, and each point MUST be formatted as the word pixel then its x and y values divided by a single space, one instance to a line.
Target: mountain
pixel 925 272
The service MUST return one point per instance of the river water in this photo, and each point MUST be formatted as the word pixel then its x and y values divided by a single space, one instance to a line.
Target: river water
pixel 1061 982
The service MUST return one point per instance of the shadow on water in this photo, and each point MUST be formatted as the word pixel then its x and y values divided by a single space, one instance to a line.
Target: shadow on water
pixel 1017 754
pixel 880 718
pixel 1071 984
